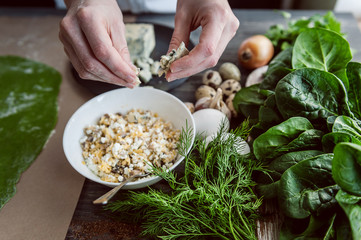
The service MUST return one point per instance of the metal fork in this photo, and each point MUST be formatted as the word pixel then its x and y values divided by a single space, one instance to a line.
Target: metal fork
pixel 107 196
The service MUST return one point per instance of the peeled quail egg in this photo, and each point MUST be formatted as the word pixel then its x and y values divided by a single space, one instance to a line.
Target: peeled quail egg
pixel 208 121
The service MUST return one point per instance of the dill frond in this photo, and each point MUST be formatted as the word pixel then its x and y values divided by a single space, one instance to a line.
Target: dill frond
pixel 212 200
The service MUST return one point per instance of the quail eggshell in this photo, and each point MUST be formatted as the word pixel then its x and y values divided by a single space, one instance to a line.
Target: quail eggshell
pixel 208 121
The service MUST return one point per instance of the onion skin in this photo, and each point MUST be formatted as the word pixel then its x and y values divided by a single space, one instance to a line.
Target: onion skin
pixel 255 51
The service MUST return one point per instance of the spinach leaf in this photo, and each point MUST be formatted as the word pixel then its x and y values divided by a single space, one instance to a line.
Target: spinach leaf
pixel 28 114
pixel 342 227
pixel 321 49
pixel 268 114
pixel 278 166
pixel 346 167
pixel 313 227
pixel 344 124
pixel 309 139
pixel 329 122
pixel 313 94
pixel 352 207
pixel 248 100
pixel 354 93
pixel 279 67
pixel 268 183
pixel 327 21
pixel 308 188
pixel 342 75
pixel 268 191
pixel 346 198
pixel 283 137
pixel 330 140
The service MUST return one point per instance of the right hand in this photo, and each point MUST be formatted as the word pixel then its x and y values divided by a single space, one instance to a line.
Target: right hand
pixel 219 26
pixel 93 35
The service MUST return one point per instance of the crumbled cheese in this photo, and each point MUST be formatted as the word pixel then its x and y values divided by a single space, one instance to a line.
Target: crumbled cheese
pixel 141 42
pixel 120 178
pixel 120 144
pixel 167 60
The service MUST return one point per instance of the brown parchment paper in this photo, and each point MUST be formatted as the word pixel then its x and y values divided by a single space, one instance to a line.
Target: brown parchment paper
pixel 48 191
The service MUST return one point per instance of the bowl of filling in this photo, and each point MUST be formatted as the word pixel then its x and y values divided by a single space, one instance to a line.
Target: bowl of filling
pixel 128 131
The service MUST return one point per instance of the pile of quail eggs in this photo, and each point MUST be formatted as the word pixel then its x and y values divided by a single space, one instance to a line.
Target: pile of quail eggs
pixel 218 90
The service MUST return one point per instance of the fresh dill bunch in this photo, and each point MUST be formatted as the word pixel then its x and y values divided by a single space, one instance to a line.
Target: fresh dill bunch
pixel 214 199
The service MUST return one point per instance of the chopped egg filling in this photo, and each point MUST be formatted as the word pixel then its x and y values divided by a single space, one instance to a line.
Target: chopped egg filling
pixel 119 145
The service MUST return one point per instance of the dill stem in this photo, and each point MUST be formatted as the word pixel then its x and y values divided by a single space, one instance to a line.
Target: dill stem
pixel 198 220
pixel 241 232
pixel 231 226
pixel 244 222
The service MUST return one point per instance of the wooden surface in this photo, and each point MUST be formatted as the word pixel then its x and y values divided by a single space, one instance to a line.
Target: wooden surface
pixel 92 222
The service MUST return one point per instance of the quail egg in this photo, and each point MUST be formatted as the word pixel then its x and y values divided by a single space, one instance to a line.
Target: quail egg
pixel 208 121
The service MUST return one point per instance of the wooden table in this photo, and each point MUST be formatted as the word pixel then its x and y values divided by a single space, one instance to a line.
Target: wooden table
pixel 93 222
pixel 53 201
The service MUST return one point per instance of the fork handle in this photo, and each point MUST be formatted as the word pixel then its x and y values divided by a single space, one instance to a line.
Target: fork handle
pixel 107 196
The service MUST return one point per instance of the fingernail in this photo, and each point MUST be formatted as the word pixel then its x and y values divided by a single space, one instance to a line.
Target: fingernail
pixel 133 80
pixel 129 85
pixel 172 70
pixel 175 69
pixel 169 79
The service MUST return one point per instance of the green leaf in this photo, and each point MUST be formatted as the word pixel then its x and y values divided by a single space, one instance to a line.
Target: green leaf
pixel 344 129
pixel 28 114
pixel 329 21
pixel 346 198
pixel 268 114
pixel 344 124
pixel 279 67
pixel 353 72
pixel 313 227
pixel 321 49
pixel 342 75
pixel 352 207
pixel 266 145
pixel 313 94
pixel 285 161
pixel 330 140
pixel 308 188
pixel 248 100
pixel 309 139
pixel 282 37
pixel 346 167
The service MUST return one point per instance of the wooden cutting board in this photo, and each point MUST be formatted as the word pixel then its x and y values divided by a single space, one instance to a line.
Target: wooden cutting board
pixel 92 222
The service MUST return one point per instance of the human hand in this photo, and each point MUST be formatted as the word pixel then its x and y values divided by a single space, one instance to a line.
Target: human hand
pixel 93 35
pixel 219 25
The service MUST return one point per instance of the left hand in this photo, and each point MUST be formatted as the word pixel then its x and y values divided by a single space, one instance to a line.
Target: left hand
pixel 219 25
pixel 93 35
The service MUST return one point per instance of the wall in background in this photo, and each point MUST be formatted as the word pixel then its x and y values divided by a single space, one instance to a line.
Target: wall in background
pixel 60 4
pixel 309 4
pixel 353 6
pixel 27 3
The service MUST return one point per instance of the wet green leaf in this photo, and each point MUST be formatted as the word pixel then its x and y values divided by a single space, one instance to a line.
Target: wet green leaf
pixel 28 114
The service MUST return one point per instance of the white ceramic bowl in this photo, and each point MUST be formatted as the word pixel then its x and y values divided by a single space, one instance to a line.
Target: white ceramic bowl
pixel 122 100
